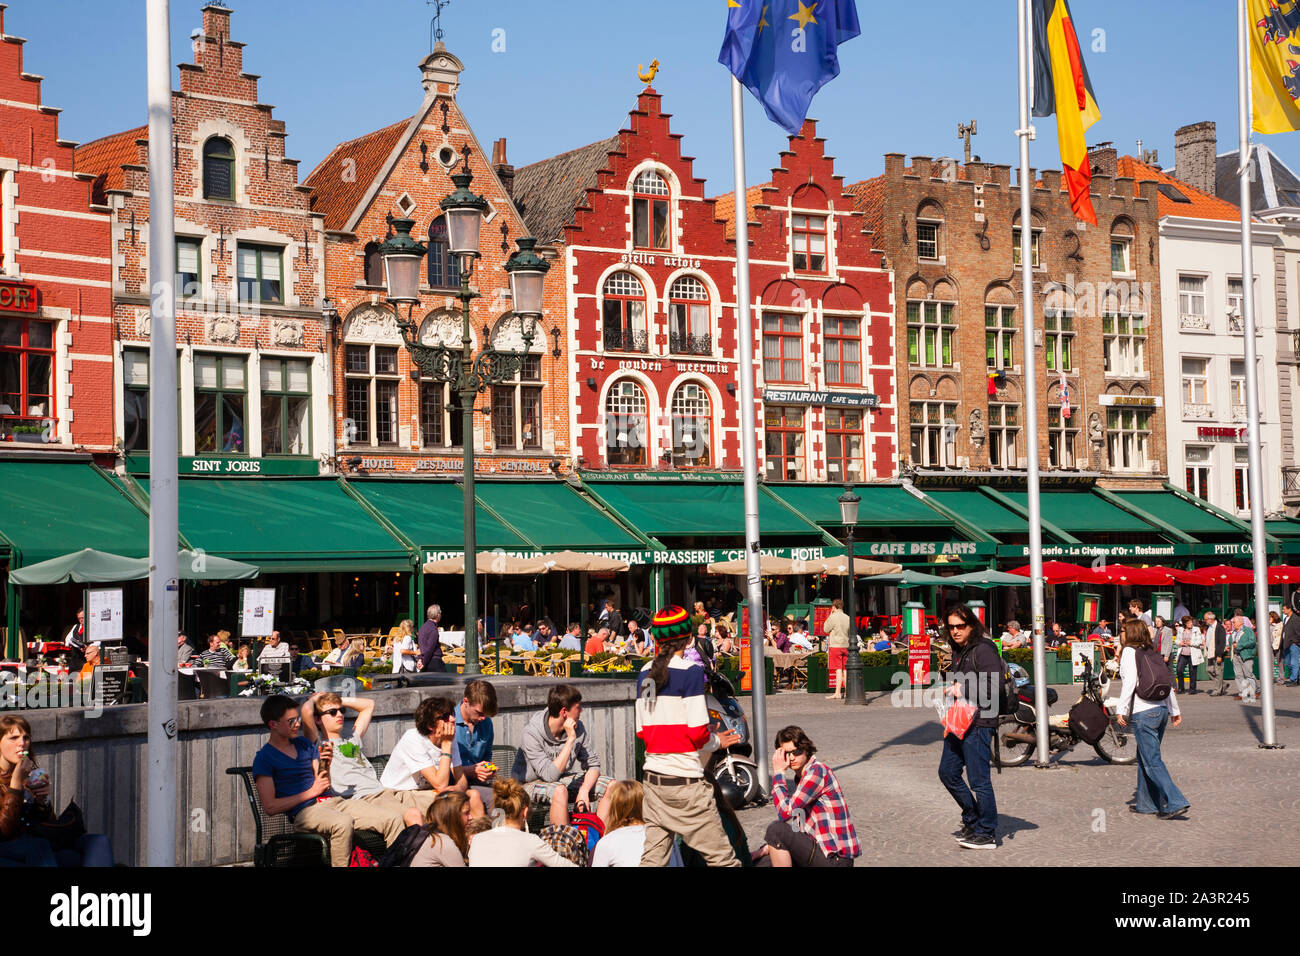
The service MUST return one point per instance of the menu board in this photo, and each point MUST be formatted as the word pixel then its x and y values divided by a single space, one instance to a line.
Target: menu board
pixel 257 612
pixel 110 685
pixel 103 607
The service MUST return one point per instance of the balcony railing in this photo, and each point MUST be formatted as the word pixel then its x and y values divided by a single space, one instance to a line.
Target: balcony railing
pixel 1291 483
pixel 680 343
pixel 622 340
pixel 1295 343
pixel 1197 412
pixel 1194 323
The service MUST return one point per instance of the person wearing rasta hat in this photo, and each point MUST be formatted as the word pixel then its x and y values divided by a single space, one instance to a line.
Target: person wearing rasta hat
pixel 672 720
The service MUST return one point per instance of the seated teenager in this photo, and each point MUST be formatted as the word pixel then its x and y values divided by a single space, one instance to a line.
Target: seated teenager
pixel 475 736
pixel 813 828
pixel 509 844
pixel 292 779
pixel 351 775
pixel 552 748
pixel 426 757
pixel 446 823
pixel 25 805
pixel 624 839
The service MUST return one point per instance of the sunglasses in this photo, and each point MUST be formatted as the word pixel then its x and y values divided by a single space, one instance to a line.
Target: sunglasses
pixel 332 712
pixel 792 753
pixel 292 721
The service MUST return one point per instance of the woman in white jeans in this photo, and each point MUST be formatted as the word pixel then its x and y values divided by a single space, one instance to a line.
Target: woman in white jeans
pixel 1156 791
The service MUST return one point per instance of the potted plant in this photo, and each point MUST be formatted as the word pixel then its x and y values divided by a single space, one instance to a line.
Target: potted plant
pixel 28 430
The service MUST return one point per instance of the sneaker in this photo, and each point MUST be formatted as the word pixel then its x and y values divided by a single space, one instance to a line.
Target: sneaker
pixel 965 833
pixel 1174 814
pixel 979 842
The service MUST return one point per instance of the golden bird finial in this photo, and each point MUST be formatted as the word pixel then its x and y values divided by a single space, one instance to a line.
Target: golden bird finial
pixel 647 76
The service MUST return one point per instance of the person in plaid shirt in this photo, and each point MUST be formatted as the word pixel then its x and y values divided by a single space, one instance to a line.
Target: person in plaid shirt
pixel 814 828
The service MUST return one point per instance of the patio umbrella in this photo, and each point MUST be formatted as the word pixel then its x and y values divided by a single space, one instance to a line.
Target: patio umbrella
pixel 1062 572
pixel 769 564
pixel 862 567
pixel 1123 574
pixel 577 561
pixel 985 579
pixel 1221 574
pixel 89 566
pixel 199 566
pixel 916 579
pixel 1284 574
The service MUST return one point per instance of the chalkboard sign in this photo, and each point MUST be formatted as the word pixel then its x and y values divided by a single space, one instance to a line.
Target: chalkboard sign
pixel 110 685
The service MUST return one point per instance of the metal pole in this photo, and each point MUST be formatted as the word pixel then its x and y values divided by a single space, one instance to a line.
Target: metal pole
pixel 748 441
pixel 468 395
pixel 160 796
pixel 854 692
pixel 1025 133
pixel 1255 476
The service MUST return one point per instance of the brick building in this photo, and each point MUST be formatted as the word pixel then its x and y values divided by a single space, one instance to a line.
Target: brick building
pixel 56 372
pixel 385 415
pixel 650 262
pixel 254 387
pixel 951 235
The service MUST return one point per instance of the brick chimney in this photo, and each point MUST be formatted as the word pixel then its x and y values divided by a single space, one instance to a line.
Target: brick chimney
pixel 216 22
pixel 1194 149
pixel 505 172
pixel 1104 160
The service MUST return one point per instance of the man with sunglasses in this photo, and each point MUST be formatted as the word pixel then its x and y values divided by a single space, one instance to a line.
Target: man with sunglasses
pixel 292 777
pixel 977 679
pixel 814 828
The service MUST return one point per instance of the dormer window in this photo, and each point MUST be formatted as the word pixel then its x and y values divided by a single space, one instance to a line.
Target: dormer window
pixel 650 212
pixel 218 169
pixel 808 237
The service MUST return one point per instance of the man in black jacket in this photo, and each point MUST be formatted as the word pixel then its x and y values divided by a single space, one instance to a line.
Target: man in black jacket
pixel 611 619
pixel 977 679
pixel 1216 649
pixel 1290 650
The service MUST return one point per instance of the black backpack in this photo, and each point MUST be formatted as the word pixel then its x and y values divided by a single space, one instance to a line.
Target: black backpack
pixel 404 848
pixel 1089 720
pixel 1154 682
pixel 1009 693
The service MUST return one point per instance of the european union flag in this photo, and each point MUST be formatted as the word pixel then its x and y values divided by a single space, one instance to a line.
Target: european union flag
pixel 784 51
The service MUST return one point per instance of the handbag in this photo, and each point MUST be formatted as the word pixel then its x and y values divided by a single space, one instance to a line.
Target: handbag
pixel 62 831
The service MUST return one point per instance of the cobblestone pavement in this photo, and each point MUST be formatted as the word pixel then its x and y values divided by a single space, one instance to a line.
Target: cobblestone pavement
pixel 1245 802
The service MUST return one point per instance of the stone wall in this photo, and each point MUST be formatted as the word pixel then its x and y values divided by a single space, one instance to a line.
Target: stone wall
pixel 102 762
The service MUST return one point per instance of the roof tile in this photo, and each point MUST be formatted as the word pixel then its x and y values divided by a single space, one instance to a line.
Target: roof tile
pixel 1200 205
pixel 104 159
pixel 336 195
pixel 549 190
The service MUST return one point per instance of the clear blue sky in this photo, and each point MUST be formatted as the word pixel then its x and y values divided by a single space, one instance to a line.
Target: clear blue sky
pixel 335 69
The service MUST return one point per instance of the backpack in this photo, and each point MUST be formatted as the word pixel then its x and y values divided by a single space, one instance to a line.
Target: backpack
pixel 361 857
pixel 591 827
pixel 1154 682
pixel 1088 720
pixel 404 848
pixel 1008 692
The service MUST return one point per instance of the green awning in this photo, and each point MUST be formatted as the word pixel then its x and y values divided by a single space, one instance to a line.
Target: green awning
pixel 1283 528
pixel 1082 512
pixel 981 510
pixel 431 514
pixel 286 525
pixel 553 516
pixel 1179 512
pixel 48 509
pixel 882 505
pixel 688 508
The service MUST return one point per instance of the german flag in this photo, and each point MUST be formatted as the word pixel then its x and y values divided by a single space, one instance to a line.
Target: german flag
pixel 1061 86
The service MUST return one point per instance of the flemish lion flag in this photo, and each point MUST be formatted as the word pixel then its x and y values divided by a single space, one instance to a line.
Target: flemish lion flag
pixel 1061 86
pixel 1274 64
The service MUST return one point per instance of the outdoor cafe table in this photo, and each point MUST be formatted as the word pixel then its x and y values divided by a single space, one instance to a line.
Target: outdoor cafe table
pixel 784 662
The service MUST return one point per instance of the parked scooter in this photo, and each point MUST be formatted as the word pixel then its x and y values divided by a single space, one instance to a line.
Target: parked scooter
pixel 735 768
pixel 1017 732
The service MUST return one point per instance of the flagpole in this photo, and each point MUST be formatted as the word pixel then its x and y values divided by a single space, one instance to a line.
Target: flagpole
pixel 162 743
pixel 1254 477
pixel 748 444
pixel 1025 134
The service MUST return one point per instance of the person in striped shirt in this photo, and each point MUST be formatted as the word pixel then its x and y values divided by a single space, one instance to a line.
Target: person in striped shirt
pixel 814 828
pixel 672 720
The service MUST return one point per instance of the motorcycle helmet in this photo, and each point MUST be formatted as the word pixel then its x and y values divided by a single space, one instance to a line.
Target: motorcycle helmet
pixel 732 793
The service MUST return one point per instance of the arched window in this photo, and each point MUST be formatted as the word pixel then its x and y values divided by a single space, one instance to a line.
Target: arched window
pixel 374 264
pixel 626 425
pixel 624 314
pixel 444 268
pixel 218 169
pixel 650 212
pixel 688 318
pixel 692 415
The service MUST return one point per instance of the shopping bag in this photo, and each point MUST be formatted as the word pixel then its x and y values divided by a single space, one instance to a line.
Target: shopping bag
pixel 957 719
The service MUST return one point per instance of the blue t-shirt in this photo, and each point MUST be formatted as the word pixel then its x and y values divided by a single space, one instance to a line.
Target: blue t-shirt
pixel 522 643
pixel 474 743
pixel 291 775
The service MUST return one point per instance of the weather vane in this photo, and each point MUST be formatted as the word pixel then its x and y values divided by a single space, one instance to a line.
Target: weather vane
pixel 647 76
pixel 435 25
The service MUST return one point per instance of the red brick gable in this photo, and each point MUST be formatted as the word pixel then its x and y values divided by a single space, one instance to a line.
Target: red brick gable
pixel 104 158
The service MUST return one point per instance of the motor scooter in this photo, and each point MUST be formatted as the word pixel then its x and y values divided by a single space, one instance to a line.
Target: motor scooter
pixel 1017 732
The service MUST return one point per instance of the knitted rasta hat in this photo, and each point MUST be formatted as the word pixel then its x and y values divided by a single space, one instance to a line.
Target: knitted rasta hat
pixel 670 623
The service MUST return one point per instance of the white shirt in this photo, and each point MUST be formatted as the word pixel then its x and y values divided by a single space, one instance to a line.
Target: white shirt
pixel 278 653
pixel 1128 674
pixel 413 753
pixel 801 640
pixel 623 847
pixel 400 661
pixel 506 846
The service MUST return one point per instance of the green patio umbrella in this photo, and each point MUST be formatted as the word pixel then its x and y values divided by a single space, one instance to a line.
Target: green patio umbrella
pixel 919 579
pixel 89 566
pixel 986 579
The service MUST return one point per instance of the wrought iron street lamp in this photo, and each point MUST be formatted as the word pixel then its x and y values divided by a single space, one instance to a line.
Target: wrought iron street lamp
pixel 466 373
pixel 856 693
